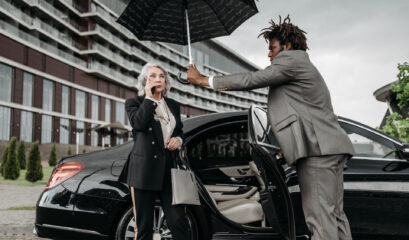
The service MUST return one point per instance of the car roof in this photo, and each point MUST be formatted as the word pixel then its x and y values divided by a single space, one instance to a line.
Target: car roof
pixel 196 121
pixel 193 122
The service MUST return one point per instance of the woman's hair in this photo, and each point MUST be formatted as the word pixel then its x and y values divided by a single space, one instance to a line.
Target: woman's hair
pixel 143 76
pixel 286 32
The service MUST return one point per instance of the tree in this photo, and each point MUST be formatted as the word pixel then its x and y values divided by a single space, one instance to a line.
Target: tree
pixel 12 168
pixel 53 157
pixel 69 151
pixel 34 168
pixel 4 156
pixel 396 125
pixel 401 87
pixel 21 155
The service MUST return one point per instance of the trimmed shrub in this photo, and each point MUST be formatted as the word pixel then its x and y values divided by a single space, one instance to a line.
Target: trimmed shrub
pixel 4 156
pixel 12 168
pixel 53 157
pixel 84 151
pixel 34 168
pixel 69 151
pixel 21 155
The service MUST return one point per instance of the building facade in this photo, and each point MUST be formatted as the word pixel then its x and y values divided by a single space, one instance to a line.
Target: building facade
pixel 66 67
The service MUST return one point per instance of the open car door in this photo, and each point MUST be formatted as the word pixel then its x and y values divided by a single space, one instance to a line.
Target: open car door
pixel 275 198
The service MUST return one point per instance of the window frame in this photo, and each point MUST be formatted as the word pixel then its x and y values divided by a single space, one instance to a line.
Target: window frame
pixel 199 135
pixel 373 136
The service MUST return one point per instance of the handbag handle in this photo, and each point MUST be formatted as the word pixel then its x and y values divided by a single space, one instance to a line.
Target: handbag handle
pixel 180 159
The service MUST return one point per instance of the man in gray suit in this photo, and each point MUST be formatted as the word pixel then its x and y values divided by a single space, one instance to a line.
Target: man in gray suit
pixel 302 119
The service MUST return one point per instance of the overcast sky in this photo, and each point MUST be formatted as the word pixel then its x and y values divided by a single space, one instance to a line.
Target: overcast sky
pixel 356 45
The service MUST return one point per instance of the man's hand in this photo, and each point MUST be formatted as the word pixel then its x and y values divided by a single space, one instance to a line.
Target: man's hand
pixel 194 76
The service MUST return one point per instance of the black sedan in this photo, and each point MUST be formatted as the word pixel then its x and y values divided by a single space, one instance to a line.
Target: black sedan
pixel 246 190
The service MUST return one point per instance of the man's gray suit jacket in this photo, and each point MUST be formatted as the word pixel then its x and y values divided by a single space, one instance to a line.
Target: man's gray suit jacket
pixel 299 106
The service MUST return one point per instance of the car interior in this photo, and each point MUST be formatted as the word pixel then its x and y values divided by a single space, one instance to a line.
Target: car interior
pixel 221 158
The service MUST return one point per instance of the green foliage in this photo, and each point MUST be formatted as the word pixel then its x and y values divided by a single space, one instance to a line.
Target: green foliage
pixel 401 87
pixel 21 155
pixel 84 151
pixel 53 157
pixel 12 168
pixel 397 127
pixel 4 156
pixel 34 168
pixel 4 159
pixel 69 151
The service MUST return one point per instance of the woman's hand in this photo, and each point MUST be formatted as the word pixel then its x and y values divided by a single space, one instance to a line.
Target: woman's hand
pixel 148 88
pixel 173 144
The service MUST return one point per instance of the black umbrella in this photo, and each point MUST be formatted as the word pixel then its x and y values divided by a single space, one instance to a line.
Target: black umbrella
pixel 185 21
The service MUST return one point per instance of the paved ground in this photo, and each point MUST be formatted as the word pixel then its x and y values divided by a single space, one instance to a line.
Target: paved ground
pixel 18 224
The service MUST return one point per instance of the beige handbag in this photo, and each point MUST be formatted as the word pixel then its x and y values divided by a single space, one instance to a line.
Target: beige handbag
pixel 184 187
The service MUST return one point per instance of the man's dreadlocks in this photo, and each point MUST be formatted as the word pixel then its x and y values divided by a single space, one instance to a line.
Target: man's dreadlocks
pixel 286 32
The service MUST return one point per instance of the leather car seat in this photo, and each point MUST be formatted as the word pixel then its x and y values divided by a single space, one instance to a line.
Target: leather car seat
pixel 241 208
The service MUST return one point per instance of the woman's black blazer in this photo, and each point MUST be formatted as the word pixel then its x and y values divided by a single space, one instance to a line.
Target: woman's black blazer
pixel 145 167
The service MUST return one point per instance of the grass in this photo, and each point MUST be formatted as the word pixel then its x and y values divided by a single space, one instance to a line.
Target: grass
pixel 21 180
pixel 22 208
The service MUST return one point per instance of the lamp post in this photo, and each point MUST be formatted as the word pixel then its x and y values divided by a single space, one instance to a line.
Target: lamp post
pixel 77 135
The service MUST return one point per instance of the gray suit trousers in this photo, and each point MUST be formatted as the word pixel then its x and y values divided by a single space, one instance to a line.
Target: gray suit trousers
pixel 322 191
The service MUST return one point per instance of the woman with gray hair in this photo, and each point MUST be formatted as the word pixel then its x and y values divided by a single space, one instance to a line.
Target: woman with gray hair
pixel 157 134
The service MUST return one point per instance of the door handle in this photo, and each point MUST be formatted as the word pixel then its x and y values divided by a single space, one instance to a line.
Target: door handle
pixel 243 171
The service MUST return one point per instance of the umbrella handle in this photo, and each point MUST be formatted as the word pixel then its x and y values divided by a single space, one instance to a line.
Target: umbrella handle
pixel 180 79
pixel 183 81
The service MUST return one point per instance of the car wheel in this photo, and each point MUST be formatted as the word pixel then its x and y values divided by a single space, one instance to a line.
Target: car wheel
pixel 126 231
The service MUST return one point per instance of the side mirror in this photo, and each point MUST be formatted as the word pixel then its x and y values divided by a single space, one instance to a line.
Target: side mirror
pixel 405 150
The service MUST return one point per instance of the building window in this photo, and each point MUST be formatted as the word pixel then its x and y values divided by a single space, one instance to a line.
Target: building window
pixel 28 81
pixel 5 117
pixel 46 129
pixel 26 126
pixel 6 78
pixel 80 103
pixel 120 112
pixel 120 117
pixel 95 107
pixel 107 110
pixel 107 138
pixel 65 100
pixel 94 116
pixel 64 131
pixel 80 132
pixel 48 93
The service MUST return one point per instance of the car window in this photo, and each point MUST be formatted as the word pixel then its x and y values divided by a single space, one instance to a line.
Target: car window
pixel 226 142
pixel 262 129
pixel 369 144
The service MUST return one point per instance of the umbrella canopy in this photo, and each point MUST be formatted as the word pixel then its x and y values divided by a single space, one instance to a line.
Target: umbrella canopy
pixel 167 20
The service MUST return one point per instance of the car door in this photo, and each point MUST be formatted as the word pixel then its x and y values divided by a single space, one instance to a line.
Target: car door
pixel 275 198
pixel 376 183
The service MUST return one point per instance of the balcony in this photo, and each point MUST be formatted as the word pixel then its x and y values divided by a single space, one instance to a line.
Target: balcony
pixel 16 12
pixel 14 31
pixel 111 73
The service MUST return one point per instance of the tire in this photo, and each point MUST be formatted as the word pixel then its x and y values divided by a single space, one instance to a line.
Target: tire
pixel 125 228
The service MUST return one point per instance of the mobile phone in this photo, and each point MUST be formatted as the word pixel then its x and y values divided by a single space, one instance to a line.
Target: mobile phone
pixel 153 90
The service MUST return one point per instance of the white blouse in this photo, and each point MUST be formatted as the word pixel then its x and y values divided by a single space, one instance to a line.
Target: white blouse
pixel 166 119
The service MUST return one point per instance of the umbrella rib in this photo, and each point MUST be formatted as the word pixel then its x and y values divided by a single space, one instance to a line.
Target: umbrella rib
pixel 222 23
